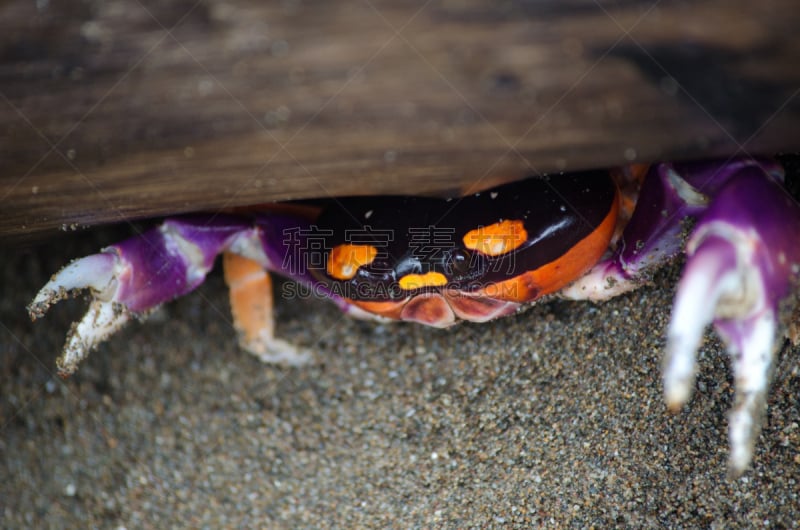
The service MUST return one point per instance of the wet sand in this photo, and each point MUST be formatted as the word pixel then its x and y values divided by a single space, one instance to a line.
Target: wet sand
pixel 550 418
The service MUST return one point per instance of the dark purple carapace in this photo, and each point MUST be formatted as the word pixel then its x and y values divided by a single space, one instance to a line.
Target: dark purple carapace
pixel 419 235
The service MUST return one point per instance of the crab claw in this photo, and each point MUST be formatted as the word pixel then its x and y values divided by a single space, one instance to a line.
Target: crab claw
pixel 742 266
pixel 135 276
pixel 97 273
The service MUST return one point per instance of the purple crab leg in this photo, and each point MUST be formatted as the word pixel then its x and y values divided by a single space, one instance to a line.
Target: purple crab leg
pixel 743 263
pixel 671 195
pixel 135 276
pixel 131 278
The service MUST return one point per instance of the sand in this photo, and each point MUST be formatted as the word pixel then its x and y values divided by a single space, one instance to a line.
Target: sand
pixel 551 418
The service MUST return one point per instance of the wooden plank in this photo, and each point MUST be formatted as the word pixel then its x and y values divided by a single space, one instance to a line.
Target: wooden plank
pixel 120 110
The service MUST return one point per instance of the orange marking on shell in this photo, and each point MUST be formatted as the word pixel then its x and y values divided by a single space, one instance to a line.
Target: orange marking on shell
pixel 560 272
pixel 344 260
pixel 426 308
pixel 497 238
pixel 409 282
pixel 388 309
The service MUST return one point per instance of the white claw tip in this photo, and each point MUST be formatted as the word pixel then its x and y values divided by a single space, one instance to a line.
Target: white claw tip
pixel 95 272
pixel 679 371
pixel 101 321
pixel 742 430
pixel 676 395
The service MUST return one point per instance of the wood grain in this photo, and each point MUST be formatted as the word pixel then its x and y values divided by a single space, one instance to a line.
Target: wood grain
pixel 121 110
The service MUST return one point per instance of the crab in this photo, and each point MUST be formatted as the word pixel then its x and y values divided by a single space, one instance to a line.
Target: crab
pixel 588 235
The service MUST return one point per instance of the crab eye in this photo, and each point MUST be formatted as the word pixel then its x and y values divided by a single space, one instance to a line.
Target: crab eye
pixel 459 262
pixel 381 265
pixel 394 291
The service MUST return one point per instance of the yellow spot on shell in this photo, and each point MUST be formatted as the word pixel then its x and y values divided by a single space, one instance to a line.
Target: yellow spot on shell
pixel 497 238
pixel 344 260
pixel 410 282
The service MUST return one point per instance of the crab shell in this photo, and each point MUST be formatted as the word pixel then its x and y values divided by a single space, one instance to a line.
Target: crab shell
pixel 436 261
